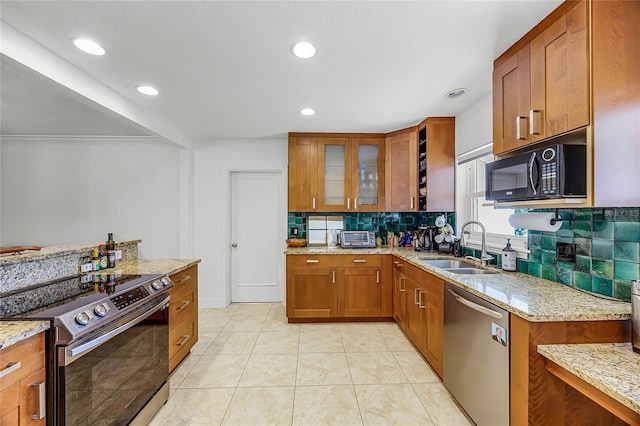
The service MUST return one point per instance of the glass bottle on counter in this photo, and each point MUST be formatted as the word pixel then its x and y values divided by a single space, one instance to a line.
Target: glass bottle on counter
pixel 104 259
pixel 111 251
pixel 95 260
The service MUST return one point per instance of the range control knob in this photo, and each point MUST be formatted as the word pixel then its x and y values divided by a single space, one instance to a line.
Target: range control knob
pixel 166 281
pixel 157 285
pixel 100 310
pixel 83 318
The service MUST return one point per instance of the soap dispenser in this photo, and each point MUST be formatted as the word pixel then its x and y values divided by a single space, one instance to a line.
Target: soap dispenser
pixel 509 261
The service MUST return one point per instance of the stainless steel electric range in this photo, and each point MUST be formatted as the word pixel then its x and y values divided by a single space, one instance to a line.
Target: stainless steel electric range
pixel 108 346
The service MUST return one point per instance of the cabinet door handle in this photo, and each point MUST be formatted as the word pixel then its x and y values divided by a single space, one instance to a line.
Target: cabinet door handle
pixel 186 278
pixel 184 304
pixel 415 296
pixel 11 367
pixel 420 304
pixel 41 400
pixel 348 203
pixel 333 277
pixel 411 202
pixel 520 127
pixel 184 340
pixel 313 203
pixel 533 120
pixel 378 276
pixel 312 261
pixel 359 261
pixel 400 284
pixel 395 262
pixel 355 203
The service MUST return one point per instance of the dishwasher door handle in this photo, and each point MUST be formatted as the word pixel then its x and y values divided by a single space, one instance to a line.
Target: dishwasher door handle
pixel 475 306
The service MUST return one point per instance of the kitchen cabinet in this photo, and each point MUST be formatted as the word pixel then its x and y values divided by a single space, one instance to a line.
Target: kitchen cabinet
pixel 399 293
pixel 542 90
pixel 511 101
pixel 418 307
pixel 303 173
pixel 436 167
pixel 336 172
pixel 584 60
pixel 22 383
pixel 338 286
pixel 312 290
pixel 183 315
pixel 434 307
pixel 401 157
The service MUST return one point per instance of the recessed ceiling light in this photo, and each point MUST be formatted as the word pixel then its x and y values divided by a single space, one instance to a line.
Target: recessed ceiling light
pixel 455 93
pixel 307 111
pixel 88 46
pixel 147 90
pixel 303 49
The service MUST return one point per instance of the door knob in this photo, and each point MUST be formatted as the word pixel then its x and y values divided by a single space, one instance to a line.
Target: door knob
pixel 234 245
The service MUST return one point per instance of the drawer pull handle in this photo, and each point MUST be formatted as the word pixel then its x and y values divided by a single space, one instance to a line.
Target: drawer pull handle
pixel 420 304
pixel 400 284
pixel 11 367
pixel 359 261
pixel 184 340
pixel 415 296
pixel 312 261
pixel 184 304
pixel 41 400
pixel 185 278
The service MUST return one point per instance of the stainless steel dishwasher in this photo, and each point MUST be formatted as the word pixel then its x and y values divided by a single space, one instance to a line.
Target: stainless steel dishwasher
pixel 476 356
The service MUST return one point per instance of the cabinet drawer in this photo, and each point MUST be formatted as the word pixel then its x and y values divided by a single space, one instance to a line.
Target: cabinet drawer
pixel 10 407
pixel 407 269
pixel 188 276
pixel 433 284
pixel 184 301
pixel 305 261
pixel 29 353
pixel 181 340
pixel 346 260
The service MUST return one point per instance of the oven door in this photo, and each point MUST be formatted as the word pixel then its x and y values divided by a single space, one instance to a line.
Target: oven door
pixel 514 179
pixel 108 377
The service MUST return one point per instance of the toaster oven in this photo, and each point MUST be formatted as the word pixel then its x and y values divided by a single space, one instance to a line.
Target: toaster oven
pixel 357 239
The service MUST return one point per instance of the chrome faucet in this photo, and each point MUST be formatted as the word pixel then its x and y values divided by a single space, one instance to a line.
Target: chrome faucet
pixel 484 257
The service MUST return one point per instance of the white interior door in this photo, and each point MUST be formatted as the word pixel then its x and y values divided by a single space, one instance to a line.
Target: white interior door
pixel 257 259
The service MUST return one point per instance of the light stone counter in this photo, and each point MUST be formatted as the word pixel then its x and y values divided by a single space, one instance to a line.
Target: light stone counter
pixel 156 266
pixel 531 298
pixel 11 332
pixel 612 368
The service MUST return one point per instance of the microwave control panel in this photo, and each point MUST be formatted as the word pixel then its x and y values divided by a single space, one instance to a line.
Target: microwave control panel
pixel 549 178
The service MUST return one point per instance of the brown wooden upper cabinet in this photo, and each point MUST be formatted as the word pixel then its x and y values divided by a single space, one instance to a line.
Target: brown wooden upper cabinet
pixel 402 170
pixel 541 86
pixel 336 172
pixel 436 164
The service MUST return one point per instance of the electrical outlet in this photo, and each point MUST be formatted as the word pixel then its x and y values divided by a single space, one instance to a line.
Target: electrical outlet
pixel 566 252
pixel 293 230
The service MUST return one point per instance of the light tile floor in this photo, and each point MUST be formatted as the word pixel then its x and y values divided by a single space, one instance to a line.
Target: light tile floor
pixel 250 367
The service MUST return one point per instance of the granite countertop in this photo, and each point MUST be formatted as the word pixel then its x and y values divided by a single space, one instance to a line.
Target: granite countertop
pixel 14 331
pixel 156 266
pixel 46 252
pixel 11 332
pixel 534 299
pixel 612 368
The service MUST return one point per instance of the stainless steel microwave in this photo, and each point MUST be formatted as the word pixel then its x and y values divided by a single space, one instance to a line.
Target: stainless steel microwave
pixel 556 171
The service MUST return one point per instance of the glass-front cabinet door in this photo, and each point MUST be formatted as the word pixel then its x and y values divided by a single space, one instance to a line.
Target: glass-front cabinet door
pixel 334 179
pixel 368 169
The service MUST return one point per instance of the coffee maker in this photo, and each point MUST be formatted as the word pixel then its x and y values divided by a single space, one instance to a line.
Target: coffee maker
pixel 426 238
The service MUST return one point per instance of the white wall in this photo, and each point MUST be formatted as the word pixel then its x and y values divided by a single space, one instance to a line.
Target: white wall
pixel 60 190
pixel 212 164
pixel 474 125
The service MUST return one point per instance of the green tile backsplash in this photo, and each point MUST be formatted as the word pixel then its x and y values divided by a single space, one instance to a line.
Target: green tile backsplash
pixel 380 222
pixel 607 251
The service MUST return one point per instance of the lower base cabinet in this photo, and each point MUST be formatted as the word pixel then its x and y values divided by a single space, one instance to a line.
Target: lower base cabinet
pixel 23 382
pixel 183 315
pixel 338 286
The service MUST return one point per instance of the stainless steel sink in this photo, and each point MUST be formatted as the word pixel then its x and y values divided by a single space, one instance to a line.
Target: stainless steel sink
pixel 448 263
pixel 468 271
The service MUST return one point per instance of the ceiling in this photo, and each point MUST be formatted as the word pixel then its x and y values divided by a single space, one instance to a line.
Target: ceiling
pixel 225 71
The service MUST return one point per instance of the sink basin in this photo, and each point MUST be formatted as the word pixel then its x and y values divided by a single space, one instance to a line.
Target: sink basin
pixel 448 263
pixel 468 271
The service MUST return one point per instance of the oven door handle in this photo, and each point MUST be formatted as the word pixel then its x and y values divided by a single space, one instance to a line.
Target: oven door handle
pixel 71 353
